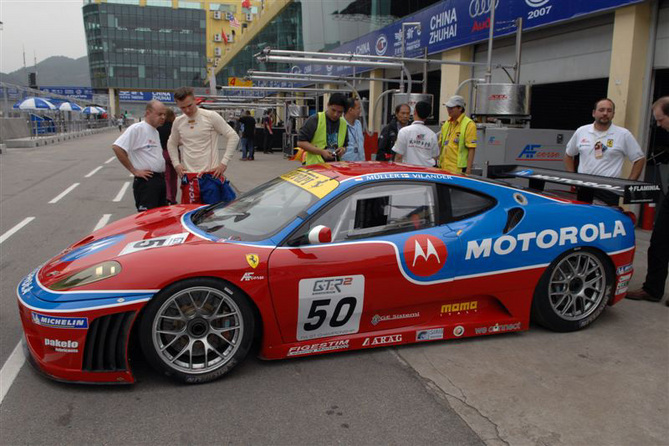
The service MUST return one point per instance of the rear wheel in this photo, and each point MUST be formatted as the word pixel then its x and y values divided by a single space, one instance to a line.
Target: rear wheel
pixel 197 330
pixel 573 291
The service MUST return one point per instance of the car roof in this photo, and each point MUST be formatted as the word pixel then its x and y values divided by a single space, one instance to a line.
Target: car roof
pixel 344 170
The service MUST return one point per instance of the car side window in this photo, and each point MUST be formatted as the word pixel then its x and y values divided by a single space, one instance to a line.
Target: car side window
pixel 376 210
pixel 457 203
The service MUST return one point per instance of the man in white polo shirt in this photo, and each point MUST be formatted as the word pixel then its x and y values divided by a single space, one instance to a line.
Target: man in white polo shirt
pixel 139 150
pixel 603 146
pixel 417 144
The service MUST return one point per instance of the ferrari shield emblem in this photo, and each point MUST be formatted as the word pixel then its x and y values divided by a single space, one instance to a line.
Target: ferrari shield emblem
pixel 253 260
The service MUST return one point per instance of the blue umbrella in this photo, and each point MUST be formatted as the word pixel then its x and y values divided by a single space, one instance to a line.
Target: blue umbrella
pixel 69 106
pixel 93 110
pixel 35 104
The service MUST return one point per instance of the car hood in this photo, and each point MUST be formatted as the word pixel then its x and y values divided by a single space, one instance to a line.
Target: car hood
pixel 159 229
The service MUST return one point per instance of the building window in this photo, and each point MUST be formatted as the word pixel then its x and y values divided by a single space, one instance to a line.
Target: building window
pixel 160 3
pixel 124 2
pixel 189 5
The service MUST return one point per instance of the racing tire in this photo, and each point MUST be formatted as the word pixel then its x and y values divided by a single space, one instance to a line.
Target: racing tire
pixel 573 291
pixel 197 330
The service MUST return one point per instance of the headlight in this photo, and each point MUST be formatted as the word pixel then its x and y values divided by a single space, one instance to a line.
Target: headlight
pixel 101 271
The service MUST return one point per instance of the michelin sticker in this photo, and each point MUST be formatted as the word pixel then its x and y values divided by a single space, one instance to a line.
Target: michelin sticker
pixel 330 306
pixel 59 322
pixel 158 242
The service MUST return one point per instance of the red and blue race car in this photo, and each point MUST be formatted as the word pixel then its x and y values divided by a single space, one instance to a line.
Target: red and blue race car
pixel 326 258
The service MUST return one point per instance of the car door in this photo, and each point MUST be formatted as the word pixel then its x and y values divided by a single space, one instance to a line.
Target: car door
pixel 385 268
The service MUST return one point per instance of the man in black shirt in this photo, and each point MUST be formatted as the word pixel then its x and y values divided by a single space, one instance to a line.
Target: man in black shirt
pixel 389 133
pixel 248 125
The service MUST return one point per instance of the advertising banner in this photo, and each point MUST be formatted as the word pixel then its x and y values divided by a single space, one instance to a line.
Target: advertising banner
pixel 81 93
pixel 454 23
pixel 145 96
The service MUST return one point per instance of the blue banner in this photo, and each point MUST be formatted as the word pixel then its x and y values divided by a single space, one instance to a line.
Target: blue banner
pixel 82 93
pixel 454 23
pixel 145 96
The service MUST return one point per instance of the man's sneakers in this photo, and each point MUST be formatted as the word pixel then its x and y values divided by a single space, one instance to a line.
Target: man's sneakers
pixel 641 294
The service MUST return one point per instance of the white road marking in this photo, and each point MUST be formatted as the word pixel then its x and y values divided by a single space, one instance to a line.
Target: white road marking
pixel 103 222
pixel 10 369
pixel 65 192
pixel 93 172
pixel 11 232
pixel 110 160
pixel 120 194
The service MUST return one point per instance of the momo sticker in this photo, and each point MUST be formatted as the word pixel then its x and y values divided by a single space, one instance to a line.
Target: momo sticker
pixel 158 242
pixel 425 255
pixel 330 306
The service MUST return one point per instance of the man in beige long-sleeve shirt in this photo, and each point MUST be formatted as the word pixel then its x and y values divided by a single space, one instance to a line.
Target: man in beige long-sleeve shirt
pixel 196 133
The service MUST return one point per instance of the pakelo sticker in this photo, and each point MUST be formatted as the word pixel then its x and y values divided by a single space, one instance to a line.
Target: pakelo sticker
pixel 330 306
pixel 158 242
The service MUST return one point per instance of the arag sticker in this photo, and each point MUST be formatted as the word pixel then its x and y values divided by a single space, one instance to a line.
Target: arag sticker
pixel 425 255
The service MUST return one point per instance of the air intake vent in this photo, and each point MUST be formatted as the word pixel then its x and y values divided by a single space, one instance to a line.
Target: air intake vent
pixel 106 343
pixel 513 218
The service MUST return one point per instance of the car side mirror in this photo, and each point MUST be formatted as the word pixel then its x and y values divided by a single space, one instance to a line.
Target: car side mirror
pixel 320 234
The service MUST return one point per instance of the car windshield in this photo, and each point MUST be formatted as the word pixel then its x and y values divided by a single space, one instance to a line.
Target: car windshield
pixel 256 215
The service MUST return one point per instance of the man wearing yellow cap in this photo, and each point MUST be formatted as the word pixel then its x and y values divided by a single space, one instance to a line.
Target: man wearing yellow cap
pixel 458 138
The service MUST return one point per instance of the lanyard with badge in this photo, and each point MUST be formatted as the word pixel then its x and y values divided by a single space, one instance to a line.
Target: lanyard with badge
pixel 355 138
pixel 450 130
pixel 600 148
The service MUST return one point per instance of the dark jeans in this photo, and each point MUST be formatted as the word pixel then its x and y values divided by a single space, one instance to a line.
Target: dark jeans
pixel 267 142
pixel 658 253
pixel 247 148
pixel 149 193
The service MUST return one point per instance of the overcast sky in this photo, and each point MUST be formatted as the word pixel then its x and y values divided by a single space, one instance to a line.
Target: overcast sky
pixel 45 28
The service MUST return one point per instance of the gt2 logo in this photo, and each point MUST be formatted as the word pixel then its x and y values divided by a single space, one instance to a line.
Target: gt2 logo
pixel 328 286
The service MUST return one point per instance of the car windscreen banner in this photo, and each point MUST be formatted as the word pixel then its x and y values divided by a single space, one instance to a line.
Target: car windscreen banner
pixel 315 183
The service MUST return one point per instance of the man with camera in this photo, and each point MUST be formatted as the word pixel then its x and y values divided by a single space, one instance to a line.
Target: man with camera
pixel 324 135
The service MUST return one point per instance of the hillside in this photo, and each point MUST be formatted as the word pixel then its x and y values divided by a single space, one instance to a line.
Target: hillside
pixel 54 71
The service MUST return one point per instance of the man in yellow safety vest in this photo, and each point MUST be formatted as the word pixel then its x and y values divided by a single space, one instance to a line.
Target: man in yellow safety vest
pixel 458 138
pixel 324 135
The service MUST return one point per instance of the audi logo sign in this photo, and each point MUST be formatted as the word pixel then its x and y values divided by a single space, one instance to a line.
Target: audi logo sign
pixel 479 8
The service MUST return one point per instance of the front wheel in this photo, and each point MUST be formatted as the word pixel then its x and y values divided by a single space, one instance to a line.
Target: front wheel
pixel 573 291
pixel 197 330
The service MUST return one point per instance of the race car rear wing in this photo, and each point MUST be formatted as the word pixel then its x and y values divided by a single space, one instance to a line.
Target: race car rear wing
pixel 586 185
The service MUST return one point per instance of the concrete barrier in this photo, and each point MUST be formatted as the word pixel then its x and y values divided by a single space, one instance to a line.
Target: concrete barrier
pixel 54 139
pixel 12 128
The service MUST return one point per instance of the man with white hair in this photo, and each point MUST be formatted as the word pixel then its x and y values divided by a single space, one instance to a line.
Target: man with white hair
pixel 139 150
